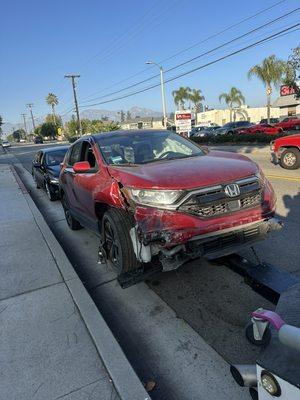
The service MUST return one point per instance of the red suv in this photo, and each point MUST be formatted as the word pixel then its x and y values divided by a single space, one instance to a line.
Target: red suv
pixel 289 123
pixel 286 151
pixel 154 195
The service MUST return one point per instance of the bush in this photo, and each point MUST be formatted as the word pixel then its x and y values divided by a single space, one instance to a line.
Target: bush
pixel 254 138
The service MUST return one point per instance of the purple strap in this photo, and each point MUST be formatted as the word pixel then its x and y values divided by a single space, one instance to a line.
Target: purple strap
pixel 269 316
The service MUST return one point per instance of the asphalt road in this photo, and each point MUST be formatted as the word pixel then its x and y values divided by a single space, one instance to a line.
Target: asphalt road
pixel 213 300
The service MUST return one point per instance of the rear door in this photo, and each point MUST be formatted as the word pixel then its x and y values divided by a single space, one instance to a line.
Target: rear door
pixel 39 170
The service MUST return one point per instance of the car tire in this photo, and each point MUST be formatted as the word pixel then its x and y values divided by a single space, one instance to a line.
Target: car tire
pixel 51 195
pixel 73 224
pixel 117 242
pixel 290 159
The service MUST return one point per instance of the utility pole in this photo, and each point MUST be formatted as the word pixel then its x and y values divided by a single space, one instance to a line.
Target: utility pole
pixel 72 77
pixel 162 86
pixel 30 105
pixel 24 120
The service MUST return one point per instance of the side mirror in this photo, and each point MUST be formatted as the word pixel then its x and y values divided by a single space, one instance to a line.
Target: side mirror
pixel 37 165
pixel 81 167
pixel 205 149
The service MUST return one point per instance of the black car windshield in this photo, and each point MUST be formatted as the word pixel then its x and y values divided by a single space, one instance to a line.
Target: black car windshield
pixel 123 148
pixel 55 157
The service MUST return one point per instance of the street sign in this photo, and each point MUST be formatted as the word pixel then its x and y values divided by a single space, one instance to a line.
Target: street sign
pixel 183 121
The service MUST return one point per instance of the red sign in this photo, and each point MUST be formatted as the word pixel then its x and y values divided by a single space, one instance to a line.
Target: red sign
pixel 286 90
pixel 184 116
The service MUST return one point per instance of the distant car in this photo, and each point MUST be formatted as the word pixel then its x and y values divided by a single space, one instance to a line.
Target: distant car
pixel 289 123
pixel 260 128
pixel 195 130
pixel 272 121
pixel 22 141
pixel 207 131
pixel 231 127
pixel 46 169
pixel 286 151
pixel 5 143
pixel 38 140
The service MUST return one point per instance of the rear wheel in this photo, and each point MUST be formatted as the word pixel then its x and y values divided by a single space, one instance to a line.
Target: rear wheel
pixel 290 159
pixel 117 243
pixel 71 221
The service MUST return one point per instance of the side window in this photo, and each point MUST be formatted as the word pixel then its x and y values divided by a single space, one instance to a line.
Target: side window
pixel 87 154
pixel 37 157
pixel 75 154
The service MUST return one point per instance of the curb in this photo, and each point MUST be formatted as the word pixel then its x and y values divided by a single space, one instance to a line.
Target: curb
pixel 124 378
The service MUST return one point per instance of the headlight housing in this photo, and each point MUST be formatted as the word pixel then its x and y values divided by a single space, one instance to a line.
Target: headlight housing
pixel 54 180
pixel 154 197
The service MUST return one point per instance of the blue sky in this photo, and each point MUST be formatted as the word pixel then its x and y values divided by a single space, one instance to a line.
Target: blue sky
pixel 107 42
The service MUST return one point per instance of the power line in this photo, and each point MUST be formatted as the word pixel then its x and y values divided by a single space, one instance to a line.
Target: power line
pixel 188 48
pixel 274 36
pixel 197 57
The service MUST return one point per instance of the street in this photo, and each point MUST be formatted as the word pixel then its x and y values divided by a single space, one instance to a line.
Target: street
pixel 210 300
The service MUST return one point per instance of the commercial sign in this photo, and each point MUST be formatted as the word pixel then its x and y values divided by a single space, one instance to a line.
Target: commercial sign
pixel 286 90
pixel 183 121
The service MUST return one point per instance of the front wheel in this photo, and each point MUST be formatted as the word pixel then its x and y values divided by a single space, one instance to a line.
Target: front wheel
pixel 290 159
pixel 116 240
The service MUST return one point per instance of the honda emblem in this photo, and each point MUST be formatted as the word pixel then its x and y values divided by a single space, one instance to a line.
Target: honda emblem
pixel 232 190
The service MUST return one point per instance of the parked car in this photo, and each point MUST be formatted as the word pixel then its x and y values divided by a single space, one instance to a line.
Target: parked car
pixel 22 141
pixel 154 195
pixel 289 123
pixel 272 121
pixel 260 128
pixel 207 131
pixel 231 127
pixel 6 143
pixel 38 140
pixel 45 169
pixel 286 151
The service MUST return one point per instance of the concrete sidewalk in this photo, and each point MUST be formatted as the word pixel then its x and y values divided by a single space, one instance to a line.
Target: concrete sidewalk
pixel 54 344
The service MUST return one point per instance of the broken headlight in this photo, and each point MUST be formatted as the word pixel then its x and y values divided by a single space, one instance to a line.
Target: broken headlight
pixel 155 197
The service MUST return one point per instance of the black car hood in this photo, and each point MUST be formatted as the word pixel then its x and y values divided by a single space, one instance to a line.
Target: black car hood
pixel 53 170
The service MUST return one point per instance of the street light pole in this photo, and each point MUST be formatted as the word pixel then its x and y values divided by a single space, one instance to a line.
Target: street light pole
pixel 162 85
pixel 72 77
pixel 29 105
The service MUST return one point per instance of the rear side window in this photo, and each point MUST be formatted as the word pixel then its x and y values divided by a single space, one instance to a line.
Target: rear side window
pixel 75 154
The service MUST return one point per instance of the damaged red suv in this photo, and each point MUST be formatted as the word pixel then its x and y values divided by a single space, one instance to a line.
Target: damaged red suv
pixel 154 195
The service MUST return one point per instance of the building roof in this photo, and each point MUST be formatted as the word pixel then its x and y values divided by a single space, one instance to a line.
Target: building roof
pixel 286 101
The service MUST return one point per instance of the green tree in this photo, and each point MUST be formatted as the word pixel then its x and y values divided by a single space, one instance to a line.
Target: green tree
pixel 1 123
pixel 17 135
pixel 57 119
pixel 122 115
pixel 10 138
pixel 234 98
pixel 196 98
pixel 270 72
pixel 181 95
pixel 52 101
pixel 292 70
pixel 128 115
pixel 48 129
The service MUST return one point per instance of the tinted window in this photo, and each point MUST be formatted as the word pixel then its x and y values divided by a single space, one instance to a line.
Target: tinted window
pixel 55 157
pixel 75 154
pixel 145 147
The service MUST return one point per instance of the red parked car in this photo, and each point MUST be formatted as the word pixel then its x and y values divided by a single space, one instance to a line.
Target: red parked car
pixel 286 151
pixel 154 195
pixel 289 123
pixel 261 128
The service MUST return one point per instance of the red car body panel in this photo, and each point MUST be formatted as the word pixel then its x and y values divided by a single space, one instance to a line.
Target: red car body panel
pixel 286 141
pixel 261 128
pixel 287 125
pixel 108 187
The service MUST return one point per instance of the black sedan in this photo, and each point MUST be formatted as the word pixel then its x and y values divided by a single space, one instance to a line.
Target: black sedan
pixel 46 168
pixel 231 127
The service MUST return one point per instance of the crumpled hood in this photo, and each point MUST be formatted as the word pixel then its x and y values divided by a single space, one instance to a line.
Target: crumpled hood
pixel 213 168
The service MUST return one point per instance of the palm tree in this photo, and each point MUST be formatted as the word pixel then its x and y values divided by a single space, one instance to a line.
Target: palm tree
pixel 52 101
pixel 196 97
pixel 233 98
pixel 180 95
pixel 270 72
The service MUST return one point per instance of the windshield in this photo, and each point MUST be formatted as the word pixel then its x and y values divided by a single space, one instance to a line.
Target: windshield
pixel 55 157
pixel 145 147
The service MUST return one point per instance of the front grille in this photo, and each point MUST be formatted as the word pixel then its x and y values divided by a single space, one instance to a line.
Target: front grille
pixel 213 203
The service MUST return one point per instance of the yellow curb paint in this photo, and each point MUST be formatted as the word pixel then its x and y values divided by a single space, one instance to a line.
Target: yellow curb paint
pixel 286 178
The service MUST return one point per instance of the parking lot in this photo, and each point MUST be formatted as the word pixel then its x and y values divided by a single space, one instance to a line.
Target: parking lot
pixel 161 326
